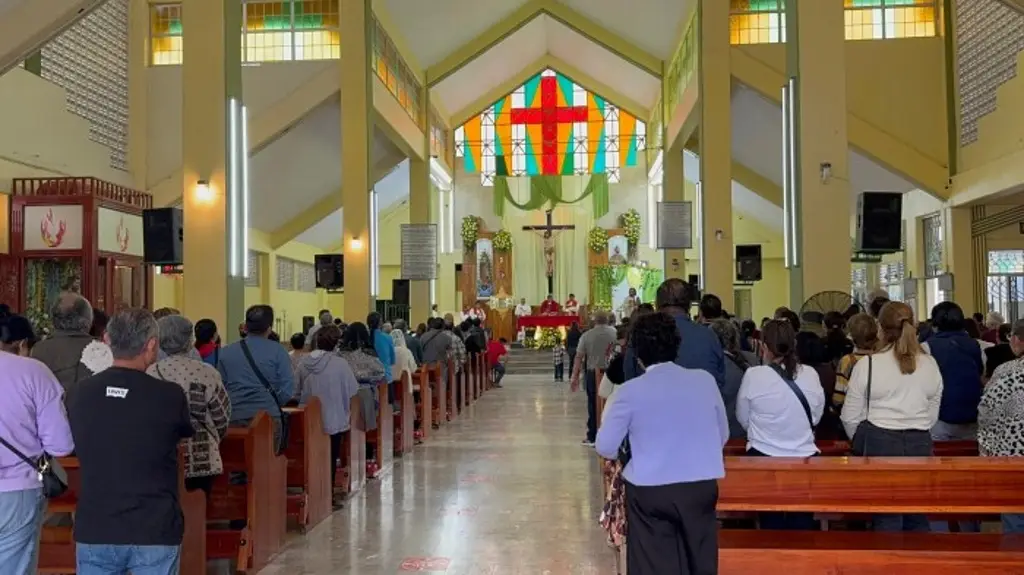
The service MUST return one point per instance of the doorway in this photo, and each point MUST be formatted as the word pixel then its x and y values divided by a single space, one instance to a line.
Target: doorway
pixel 743 303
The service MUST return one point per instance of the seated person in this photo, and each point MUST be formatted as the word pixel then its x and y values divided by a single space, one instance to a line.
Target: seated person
pixel 572 306
pixel 550 306
pixel 523 309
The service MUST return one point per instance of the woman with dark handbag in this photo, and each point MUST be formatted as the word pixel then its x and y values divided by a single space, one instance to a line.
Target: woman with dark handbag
pixel 892 401
pixel 33 427
pixel 613 514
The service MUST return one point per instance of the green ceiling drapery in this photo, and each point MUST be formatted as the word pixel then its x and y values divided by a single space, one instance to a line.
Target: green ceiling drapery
pixel 549 190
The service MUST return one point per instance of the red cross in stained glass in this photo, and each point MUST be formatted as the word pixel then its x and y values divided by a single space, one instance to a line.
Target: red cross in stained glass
pixel 549 116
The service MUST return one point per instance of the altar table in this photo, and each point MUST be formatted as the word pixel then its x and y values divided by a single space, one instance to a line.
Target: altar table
pixel 546 321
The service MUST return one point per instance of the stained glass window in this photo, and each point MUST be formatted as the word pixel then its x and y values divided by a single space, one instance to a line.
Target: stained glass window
pixel 1003 262
pixel 757 21
pixel 934 255
pixel 165 34
pixel 282 30
pixel 396 75
pixel 438 135
pixel 550 126
pixel 883 19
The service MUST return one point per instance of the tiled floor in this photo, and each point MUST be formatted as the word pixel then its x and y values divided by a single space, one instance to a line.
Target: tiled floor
pixel 504 489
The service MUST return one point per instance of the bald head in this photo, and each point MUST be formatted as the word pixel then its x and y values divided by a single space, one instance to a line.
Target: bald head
pixel 673 292
pixel 72 312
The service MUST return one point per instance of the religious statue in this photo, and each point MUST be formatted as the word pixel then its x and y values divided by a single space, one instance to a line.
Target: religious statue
pixel 617 258
pixel 549 253
pixel 485 281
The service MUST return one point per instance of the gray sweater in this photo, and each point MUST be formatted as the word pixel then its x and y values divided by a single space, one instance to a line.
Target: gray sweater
pixel 436 344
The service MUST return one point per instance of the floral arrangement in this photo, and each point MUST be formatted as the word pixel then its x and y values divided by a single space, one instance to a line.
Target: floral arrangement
pixel 547 337
pixel 598 239
pixel 502 241
pixel 631 226
pixel 470 231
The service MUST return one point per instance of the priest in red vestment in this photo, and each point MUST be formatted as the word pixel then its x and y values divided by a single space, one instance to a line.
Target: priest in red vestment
pixel 550 306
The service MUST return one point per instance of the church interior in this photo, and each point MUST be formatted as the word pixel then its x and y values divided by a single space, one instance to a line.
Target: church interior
pixel 463 157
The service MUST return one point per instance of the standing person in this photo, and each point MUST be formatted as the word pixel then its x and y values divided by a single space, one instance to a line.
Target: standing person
pixel 893 401
pixel 325 320
pixel 594 346
pixel 411 341
pixel 676 424
pixel 208 403
pixel 257 373
pixel 737 362
pixel 382 344
pixel 709 309
pixel 1000 353
pixel 436 343
pixel 701 350
pixel 779 404
pixel 864 333
pixel 960 361
pixel 208 341
pixel 327 376
pixel 629 304
pixel 572 343
pixel 16 335
pixel 558 356
pixel 404 361
pixel 993 320
pixel 497 355
pixel 64 352
pixel 127 426
pixel 32 423
pixel 1001 415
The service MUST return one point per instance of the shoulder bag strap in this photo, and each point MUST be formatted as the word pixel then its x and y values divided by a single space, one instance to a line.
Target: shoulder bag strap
pixel 867 397
pixel 261 377
pixel 798 392
pixel 33 464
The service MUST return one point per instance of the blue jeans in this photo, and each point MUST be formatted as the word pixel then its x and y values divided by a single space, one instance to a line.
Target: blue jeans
pixel 21 519
pixel 122 559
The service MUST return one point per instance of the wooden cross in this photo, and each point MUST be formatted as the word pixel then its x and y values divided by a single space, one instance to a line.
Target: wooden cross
pixel 548 230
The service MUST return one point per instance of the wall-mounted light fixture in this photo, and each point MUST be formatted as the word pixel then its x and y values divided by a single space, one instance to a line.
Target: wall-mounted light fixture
pixel 203 192
pixel 356 243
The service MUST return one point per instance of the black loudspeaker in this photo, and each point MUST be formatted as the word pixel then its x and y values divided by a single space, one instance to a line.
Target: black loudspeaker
pixel 400 292
pixel 330 271
pixel 879 222
pixel 694 281
pixel 163 236
pixel 748 263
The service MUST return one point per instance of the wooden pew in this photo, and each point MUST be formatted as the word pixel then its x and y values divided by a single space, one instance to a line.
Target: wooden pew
pixel 452 385
pixel 465 385
pixel 351 476
pixel 424 410
pixel 309 475
pixel 959 448
pixel 403 421
pixel 260 500
pixel 382 438
pixel 967 485
pixel 57 544
pixel 439 394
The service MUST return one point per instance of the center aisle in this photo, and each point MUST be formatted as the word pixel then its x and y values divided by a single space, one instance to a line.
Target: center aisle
pixel 505 489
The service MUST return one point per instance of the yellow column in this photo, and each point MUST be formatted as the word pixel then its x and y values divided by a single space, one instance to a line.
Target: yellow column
pixel 211 80
pixel 817 59
pixel 961 261
pixel 420 212
pixel 913 263
pixel 356 130
pixel 715 197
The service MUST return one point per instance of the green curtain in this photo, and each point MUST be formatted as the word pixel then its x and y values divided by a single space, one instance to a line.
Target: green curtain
pixel 546 192
pixel 597 189
pixel 571 251
pixel 528 279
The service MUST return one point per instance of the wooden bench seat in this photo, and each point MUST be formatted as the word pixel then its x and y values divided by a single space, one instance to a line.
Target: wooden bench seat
pixel 383 438
pixel 57 543
pixel 867 553
pixel 959 448
pixel 403 421
pixel 438 394
pixel 253 490
pixel 424 408
pixel 451 407
pixel 309 477
pixel 351 476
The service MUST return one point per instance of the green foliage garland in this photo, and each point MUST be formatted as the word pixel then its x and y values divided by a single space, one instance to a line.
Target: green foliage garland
pixel 631 226
pixel 470 231
pixel 597 239
pixel 502 241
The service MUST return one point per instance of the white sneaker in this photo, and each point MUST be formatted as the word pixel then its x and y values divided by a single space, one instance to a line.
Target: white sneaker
pixel 586 443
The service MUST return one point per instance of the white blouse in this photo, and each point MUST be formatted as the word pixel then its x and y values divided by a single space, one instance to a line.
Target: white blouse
pixel 899 400
pixel 775 421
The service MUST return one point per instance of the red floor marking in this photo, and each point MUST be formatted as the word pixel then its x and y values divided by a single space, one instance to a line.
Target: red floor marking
pixel 429 564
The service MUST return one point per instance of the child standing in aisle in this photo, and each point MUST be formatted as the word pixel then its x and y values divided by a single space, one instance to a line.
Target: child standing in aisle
pixel 558 355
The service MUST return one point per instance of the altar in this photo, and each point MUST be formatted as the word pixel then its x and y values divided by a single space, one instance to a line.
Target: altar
pixel 553 321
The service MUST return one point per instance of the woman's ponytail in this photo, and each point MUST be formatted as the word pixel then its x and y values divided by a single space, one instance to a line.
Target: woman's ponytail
pixel 896 321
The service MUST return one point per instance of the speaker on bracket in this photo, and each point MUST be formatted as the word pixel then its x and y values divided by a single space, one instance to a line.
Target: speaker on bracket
pixel 879 222
pixel 330 271
pixel 748 263
pixel 163 236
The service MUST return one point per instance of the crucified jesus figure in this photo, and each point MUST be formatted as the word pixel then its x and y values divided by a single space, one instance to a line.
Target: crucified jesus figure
pixel 548 232
pixel 549 253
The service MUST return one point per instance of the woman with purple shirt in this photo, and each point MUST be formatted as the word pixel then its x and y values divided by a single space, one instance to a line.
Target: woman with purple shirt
pixel 32 420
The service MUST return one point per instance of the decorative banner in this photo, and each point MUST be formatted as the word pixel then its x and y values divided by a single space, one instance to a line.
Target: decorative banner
pixel 53 228
pixel 484 268
pixel 120 233
pixel 419 251
pixel 618 250
pixel 675 225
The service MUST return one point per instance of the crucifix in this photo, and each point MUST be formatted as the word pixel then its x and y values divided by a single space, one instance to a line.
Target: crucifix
pixel 548 231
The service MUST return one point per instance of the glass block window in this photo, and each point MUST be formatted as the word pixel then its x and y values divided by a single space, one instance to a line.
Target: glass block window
pixel 885 19
pixel 285 274
pixel 757 21
pixel 438 135
pixel 934 254
pixel 283 30
pixel 90 61
pixel 550 126
pixel 253 279
pixel 890 278
pixel 396 75
pixel 305 275
pixel 1004 262
pixel 859 283
pixel 989 36
pixel 1006 295
pixel 165 34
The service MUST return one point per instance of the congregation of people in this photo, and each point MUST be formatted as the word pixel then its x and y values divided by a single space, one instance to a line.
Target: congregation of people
pixel 122 393
pixel 677 388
